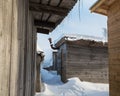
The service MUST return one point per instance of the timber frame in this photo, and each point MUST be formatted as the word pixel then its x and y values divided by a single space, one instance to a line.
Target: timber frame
pixel 49 13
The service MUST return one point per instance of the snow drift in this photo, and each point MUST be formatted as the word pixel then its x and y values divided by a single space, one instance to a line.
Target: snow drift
pixel 74 87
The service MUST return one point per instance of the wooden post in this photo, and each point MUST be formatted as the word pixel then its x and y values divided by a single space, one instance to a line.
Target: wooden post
pixel 38 89
pixel 39 59
pixel 17 49
pixel 9 47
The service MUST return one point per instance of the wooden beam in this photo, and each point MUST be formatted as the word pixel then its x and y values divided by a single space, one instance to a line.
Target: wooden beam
pixel 48 17
pixel 49 2
pixel 97 5
pixel 48 9
pixel 40 2
pixel 44 31
pixel 101 12
pixel 44 24
pixel 59 21
pixel 105 7
pixel 59 3
pixel 111 2
pixel 42 16
pixel 100 4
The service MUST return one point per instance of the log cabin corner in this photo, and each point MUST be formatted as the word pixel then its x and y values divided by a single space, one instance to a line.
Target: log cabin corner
pixel 111 9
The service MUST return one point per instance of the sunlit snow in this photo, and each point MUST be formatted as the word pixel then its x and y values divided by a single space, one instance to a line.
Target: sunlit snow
pixel 74 87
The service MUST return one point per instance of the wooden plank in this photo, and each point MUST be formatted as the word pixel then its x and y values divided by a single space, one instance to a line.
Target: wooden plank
pixel 44 24
pixel 45 17
pixel 97 5
pixel 21 38
pixel 55 18
pixel 54 2
pixel 67 3
pixel 48 9
pixel 5 46
pixel 44 31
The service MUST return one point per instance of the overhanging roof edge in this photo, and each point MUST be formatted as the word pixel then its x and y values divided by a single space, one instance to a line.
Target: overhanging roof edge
pixel 96 5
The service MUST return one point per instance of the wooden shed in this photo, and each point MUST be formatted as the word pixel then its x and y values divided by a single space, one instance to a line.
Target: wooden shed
pixel 111 9
pixel 20 20
pixel 85 59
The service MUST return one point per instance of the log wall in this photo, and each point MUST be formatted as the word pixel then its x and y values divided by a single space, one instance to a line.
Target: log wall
pixel 79 59
pixel 89 63
pixel 114 47
pixel 17 49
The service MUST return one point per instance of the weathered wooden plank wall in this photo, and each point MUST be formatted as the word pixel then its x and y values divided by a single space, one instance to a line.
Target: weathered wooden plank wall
pixel 114 47
pixel 89 63
pixel 17 49
pixel 77 59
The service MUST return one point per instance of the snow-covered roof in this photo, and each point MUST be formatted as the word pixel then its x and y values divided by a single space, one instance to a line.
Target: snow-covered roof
pixel 74 37
pixel 81 40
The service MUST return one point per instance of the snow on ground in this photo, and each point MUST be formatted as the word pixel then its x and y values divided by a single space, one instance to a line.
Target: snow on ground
pixel 74 87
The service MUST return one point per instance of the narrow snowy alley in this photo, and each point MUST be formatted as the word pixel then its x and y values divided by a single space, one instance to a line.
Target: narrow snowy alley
pixel 74 87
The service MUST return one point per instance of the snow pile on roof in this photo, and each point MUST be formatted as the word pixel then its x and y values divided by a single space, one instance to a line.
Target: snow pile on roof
pixel 78 37
pixel 74 87
pixel 74 37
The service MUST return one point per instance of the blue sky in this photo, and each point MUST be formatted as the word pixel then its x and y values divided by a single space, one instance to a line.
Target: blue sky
pixel 88 24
